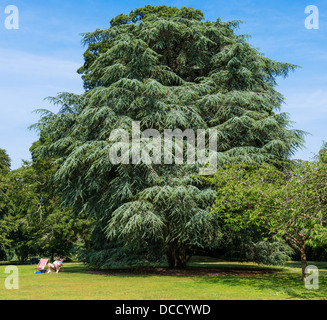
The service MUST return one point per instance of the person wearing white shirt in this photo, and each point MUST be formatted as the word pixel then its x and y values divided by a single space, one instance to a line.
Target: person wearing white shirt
pixel 55 265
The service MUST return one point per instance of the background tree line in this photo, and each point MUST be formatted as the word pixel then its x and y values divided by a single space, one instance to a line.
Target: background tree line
pixel 32 221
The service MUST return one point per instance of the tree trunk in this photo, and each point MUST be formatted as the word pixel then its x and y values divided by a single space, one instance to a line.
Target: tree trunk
pixel 299 247
pixel 171 258
pixel 21 255
pixel 304 262
pixel 176 256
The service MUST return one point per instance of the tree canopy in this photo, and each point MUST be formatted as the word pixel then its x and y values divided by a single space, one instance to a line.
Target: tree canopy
pixel 289 201
pixel 5 201
pixel 32 220
pixel 165 68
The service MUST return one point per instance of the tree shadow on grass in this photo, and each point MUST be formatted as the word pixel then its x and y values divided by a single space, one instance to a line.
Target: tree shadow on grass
pixel 285 284
pixel 75 268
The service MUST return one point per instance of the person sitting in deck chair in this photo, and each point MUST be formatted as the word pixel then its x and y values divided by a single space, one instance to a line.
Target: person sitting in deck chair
pixel 55 265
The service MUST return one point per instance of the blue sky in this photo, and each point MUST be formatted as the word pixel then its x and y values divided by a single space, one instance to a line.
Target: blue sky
pixel 40 59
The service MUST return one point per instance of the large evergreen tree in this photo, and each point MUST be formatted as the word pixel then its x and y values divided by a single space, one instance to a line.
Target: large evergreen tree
pixel 166 68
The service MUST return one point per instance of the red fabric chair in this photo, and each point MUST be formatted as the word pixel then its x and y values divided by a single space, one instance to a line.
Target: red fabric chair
pixel 42 264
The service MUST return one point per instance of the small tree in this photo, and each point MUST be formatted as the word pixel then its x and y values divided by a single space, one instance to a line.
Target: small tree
pixel 291 204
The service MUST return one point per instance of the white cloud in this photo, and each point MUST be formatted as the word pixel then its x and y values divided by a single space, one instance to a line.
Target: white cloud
pixel 26 79
pixel 19 65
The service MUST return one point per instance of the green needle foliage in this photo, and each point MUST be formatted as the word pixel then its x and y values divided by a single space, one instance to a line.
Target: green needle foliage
pixel 167 68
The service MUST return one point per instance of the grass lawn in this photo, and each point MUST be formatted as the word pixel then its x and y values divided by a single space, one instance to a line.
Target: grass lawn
pixel 76 283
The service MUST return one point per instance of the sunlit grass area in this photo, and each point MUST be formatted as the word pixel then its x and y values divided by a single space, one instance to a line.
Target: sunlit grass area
pixel 76 283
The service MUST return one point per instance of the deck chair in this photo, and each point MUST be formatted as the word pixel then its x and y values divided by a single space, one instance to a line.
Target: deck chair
pixel 42 264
